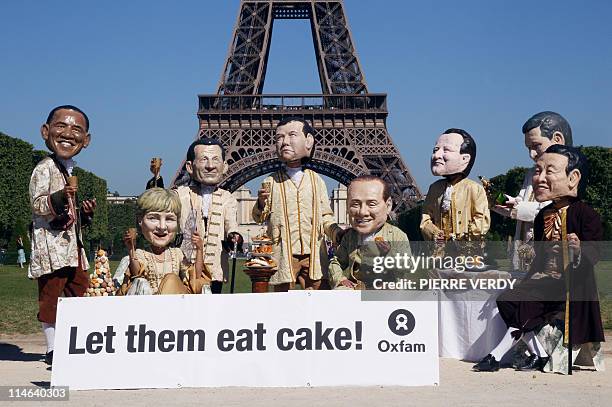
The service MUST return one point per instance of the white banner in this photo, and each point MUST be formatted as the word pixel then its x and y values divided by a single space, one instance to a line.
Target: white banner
pixel 300 338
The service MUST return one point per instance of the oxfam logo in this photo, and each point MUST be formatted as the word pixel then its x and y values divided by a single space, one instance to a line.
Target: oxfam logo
pixel 401 322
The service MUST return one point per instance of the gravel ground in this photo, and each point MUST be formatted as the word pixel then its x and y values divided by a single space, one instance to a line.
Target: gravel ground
pixel 20 365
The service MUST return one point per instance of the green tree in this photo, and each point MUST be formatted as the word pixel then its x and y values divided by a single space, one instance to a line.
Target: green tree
pixel 121 217
pixel 599 185
pixel 509 183
pixel 93 187
pixel 16 165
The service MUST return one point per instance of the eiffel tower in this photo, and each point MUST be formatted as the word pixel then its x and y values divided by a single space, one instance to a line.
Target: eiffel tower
pixel 350 123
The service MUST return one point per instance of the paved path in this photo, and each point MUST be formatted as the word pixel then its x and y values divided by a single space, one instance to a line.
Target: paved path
pixel 20 364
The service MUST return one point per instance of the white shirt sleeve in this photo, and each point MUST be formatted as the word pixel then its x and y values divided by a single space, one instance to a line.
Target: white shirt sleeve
pixel 527 211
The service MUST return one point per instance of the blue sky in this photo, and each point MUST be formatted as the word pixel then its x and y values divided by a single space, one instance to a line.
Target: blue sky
pixel 136 68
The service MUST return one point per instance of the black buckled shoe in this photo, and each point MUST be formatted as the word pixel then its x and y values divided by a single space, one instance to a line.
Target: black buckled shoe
pixel 49 358
pixel 487 364
pixel 533 362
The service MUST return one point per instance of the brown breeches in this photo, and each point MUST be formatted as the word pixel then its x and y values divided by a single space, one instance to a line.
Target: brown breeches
pixel 69 281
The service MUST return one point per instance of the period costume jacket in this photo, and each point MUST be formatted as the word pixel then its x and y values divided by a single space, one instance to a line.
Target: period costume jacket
pixel 56 239
pixel 352 252
pixel 221 219
pixel 468 213
pixel 582 220
pixel 298 219
pixel 522 308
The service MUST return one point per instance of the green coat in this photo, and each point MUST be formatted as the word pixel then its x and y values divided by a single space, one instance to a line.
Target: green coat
pixel 352 252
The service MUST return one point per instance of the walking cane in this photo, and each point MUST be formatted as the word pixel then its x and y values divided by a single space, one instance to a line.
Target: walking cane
pixel 569 340
pixel 568 310
pixel 569 315
pixel 233 277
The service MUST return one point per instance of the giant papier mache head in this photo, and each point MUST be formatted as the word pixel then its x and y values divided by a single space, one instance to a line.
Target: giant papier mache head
pixel 453 154
pixel 205 162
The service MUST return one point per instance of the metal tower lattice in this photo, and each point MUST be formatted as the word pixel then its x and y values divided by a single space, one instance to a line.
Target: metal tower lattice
pixel 350 122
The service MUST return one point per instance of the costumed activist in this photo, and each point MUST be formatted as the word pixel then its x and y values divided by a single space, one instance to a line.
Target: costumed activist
pixel 58 260
pixel 456 208
pixel 163 270
pixel 560 177
pixel 157 181
pixel 295 204
pixel 369 204
pixel 209 210
pixel 541 131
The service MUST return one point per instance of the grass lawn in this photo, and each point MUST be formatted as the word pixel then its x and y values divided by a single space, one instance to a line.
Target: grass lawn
pixel 19 296
pixel 242 283
pixel 18 301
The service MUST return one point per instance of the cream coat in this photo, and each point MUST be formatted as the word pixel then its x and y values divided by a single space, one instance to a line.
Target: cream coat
pixel 300 216
pixel 51 249
pixel 469 208
pixel 221 221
